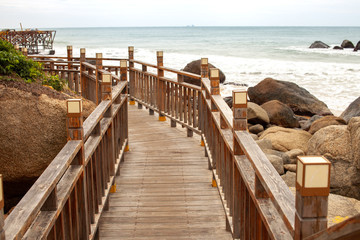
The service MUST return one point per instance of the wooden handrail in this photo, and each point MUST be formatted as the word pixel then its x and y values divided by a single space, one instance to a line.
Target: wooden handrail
pixel 17 223
pixel 346 230
pixel 65 181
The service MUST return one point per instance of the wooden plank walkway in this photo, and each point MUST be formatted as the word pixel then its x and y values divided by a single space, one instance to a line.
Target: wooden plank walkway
pixel 164 188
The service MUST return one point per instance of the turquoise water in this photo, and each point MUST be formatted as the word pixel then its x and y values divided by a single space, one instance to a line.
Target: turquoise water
pixel 245 54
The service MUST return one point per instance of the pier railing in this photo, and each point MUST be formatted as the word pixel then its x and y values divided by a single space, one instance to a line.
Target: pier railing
pixel 71 194
pixel 67 200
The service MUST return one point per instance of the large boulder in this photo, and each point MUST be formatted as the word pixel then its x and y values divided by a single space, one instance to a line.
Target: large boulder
pixel 319 44
pixel 280 114
pixel 353 110
pixel 195 67
pixel 33 131
pixel 340 144
pixel 297 98
pixel 256 114
pixel 357 46
pixel 324 122
pixel 286 139
pixel 347 44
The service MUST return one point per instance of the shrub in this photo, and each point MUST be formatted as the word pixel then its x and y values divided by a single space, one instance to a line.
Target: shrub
pixel 13 61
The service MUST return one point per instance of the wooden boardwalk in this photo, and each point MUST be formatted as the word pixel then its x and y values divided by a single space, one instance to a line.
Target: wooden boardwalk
pixel 164 188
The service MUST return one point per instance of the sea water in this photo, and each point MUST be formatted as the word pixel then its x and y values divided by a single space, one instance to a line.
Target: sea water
pixel 246 55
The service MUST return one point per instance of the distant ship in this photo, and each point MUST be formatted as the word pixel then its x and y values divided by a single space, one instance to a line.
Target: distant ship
pixel 36 41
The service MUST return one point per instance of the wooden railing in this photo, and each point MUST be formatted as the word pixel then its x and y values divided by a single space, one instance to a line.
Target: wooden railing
pixel 67 200
pixel 257 202
pixel 69 197
pixel 172 98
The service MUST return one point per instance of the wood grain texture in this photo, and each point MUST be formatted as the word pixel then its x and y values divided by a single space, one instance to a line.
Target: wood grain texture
pixel 164 188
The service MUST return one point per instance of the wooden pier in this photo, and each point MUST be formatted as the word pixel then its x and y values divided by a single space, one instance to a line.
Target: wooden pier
pixel 179 164
pixel 164 188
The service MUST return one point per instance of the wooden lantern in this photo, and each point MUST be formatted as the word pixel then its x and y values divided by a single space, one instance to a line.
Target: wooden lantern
pixel 313 176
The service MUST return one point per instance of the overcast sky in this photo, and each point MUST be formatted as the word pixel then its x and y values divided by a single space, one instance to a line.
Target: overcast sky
pixel 117 13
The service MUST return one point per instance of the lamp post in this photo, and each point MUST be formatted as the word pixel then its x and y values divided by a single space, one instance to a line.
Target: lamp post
pixel 204 68
pixel 106 86
pixel 74 119
pixel 240 110
pixel 312 191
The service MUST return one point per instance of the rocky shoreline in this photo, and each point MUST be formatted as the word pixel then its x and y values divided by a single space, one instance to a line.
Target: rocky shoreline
pixel 287 121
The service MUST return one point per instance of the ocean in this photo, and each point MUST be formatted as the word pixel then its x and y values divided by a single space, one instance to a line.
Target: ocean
pixel 246 55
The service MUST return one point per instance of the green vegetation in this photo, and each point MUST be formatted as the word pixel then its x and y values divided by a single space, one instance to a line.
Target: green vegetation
pixel 14 62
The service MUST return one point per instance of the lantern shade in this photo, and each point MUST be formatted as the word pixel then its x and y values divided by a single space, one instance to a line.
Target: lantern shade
pixel 204 61
pixel 82 50
pixel 99 55
pixel 69 47
pixel 1 193
pixel 240 98
pixel 131 48
pixel 123 63
pixel 313 176
pixel 159 53
pixel 106 78
pixel 214 73
pixel 74 106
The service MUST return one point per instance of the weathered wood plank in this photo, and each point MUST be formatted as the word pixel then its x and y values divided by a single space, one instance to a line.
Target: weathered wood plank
pixel 164 189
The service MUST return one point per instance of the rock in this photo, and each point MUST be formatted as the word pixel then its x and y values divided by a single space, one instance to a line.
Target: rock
pixel 324 122
pixel 305 125
pixel 347 44
pixel 195 67
pixel 297 98
pixel 256 114
pixel 33 131
pixel 277 162
pixel 290 167
pixel 286 139
pixel 340 145
pixel 353 110
pixel 229 101
pixel 357 47
pixel 289 178
pixel 319 44
pixel 293 154
pixel 338 48
pixel 254 136
pixel 256 128
pixel 264 144
pixel 283 156
pixel 354 129
pixel 280 114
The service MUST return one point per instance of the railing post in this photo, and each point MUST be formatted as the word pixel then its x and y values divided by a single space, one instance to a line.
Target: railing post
pixel 161 87
pixel 239 124
pixel 2 220
pixel 75 131
pixel 131 75
pixel 82 78
pixel 204 68
pixel 204 74
pixel 99 66
pixel 123 70
pixel 70 75
pixel 215 85
pixel 312 191
pixel 24 51
pixel 110 154
pixel 106 84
